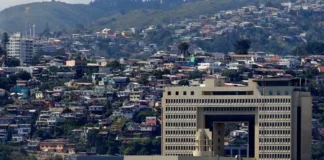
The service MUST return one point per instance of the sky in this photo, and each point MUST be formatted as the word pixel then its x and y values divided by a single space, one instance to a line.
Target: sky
pixel 8 3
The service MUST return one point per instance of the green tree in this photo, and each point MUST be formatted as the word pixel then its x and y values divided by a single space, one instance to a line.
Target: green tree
pixel 23 75
pixel 184 83
pixel 140 116
pixel 143 80
pixel 12 62
pixel 4 83
pixel 311 72
pixel 114 65
pixel 232 75
pixel 32 157
pixel 130 150
pixel 5 41
pixel 242 46
pixel 35 60
pixel 196 74
pixel 183 47
pixel 317 151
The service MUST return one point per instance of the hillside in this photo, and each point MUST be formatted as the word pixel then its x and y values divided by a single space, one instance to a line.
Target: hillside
pixel 102 13
pixel 58 15
pixel 138 18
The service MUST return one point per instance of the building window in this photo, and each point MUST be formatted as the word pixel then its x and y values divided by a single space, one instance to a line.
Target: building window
pixel 192 93
pixel 169 93
pixel 286 92
pixel 177 93
pixel 270 93
pixel 278 92
pixel 184 93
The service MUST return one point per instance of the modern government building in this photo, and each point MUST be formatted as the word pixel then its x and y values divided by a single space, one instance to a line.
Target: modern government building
pixel 278 113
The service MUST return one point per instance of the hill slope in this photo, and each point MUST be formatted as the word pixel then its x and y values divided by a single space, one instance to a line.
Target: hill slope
pixel 138 18
pixel 58 15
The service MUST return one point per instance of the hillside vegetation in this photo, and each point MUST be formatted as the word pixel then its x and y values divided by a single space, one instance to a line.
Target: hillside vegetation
pixel 101 14
pixel 59 16
pixel 138 18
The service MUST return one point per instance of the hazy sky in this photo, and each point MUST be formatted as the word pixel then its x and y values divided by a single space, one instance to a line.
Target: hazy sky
pixel 8 3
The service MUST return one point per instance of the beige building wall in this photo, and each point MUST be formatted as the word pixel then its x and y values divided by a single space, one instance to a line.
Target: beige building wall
pixel 177 158
pixel 273 105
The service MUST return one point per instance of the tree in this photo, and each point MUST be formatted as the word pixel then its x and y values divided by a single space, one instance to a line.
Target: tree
pixel 5 41
pixel 184 83
pixel 196 74
pixel 143 80
pixel 242 46
pixel 317 151
pixel 114 65
pixel 311 72
pixel 142 114
pixel 4 83
pixel 183 48
pixel 35 60
pixel 23 75
pixel 12 62
pixel 32 157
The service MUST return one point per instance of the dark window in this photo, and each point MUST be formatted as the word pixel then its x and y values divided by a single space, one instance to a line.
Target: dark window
pixel 278 92
pixel 286 92
pixel 177 93
pixel 169 93
pixel 184 93
pixel 192 93
pixel 270 93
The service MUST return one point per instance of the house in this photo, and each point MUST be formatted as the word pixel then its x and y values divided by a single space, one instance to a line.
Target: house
pixel 97 109
pixel 132 127
pixel 150 121
pixel 76 63
pixel 59 89
pixel 6 120
pixel 4 134
pixel 320 69
pixel 146 128
pixel 248 59
pixel 65 74
pixel 53 145
pixel 135 95
pixel 2 92
pixel 39 95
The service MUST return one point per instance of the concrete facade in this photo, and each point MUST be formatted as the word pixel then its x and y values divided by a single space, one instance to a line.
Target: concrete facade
pixel 21 48
pixel 278 111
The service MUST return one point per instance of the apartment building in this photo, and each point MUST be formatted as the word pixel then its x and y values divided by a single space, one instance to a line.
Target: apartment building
pixel 21 48
pixel 278 113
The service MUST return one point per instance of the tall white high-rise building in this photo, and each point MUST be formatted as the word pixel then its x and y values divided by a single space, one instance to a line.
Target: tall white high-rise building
pixel 21 48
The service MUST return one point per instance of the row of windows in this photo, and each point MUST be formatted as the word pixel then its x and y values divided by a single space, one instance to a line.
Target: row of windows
pixel 274 148
pixel 178 154
pixel 282 108
pixel 275 116
pixel 274 156
pixel 181 140
pixel 272 100
pixel 278 92
pixel 264 132
pixel 173 148
pixel 180 108
pixel 180 124
pixel 274 140
pixel 183 93
pixel 275 124
pixel 184 132
pixel 176 116
pixel 229 109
